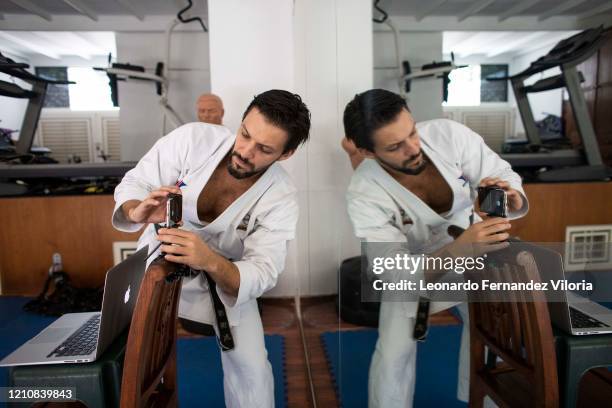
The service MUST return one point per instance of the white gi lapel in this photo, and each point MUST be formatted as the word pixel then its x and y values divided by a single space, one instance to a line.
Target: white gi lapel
pixel 404 197
pixel 452 174
pixel 242 205
pixel 197 179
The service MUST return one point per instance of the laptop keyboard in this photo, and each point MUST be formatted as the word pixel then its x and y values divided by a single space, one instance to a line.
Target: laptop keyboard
pixel 82 342
pixel 582 321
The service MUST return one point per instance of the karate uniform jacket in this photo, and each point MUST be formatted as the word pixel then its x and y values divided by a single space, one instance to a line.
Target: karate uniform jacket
pixel 382 210
pixel 253 231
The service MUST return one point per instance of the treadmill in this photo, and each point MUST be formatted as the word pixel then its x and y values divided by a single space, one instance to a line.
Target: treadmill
pixel 35 96
pixel 22 150
pixel 561 165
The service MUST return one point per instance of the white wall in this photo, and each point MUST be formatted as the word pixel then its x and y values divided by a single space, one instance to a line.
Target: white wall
pixel 251 50
pixel 425 97
pixel 333 63
pixel 322 50
pixel 261 58
pixel 141 115
pixel 67 61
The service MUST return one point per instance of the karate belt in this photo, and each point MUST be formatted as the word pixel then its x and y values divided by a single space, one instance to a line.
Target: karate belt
pixel 421 324
pixel 225 338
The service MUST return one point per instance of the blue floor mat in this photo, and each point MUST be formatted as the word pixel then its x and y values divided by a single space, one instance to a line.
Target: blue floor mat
pixel 349 353
pixel 199 362
pixel 199 371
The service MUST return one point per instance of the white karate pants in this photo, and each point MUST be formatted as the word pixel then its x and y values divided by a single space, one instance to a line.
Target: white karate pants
pixel 393 366
pixel 247 373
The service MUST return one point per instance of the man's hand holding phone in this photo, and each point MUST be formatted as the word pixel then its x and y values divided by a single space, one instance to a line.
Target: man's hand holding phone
pixel 514 199
pixel 481 237
pixel 152 209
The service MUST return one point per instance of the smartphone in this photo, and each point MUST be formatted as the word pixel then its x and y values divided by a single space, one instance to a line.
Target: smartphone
pixel 493 201
pixel 174 210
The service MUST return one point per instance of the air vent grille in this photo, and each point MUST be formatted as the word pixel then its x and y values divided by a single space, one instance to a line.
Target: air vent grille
pixel 588 247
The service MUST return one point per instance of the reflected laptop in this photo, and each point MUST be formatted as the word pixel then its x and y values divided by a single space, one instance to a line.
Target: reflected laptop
pixel 568 310
pixel 83 337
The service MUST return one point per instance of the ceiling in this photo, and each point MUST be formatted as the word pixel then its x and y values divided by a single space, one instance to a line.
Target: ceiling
pixel 46 9
pixel 79 43
pixel 57 44
pixel 462 43
pixel 497 44
pixel 462 9
pixel 503 9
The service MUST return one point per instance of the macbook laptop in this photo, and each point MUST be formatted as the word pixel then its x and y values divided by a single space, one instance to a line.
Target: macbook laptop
pixel 83 337
pixel 569 310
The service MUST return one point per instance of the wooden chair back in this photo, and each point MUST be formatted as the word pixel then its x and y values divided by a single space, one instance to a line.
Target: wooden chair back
pixel 516 329
pixel 149 369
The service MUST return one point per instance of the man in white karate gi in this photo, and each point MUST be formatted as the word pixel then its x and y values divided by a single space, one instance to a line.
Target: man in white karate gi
pixel 416 180
pixel 239 212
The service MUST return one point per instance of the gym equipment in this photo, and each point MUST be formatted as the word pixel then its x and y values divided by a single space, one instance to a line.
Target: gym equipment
pixel 350 307
pixel 120 72
pixel 24 151
pixel 405 74
pixel 563 164
pixel 35 96
pixel 439 69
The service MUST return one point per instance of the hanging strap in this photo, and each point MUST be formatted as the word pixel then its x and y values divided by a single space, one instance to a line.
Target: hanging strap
pixel 225 338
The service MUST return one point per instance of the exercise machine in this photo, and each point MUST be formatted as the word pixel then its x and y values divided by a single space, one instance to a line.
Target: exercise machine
pixel 560 164
pixel 121 72
pixel 438 69
pixel 35 97
pixel 405 73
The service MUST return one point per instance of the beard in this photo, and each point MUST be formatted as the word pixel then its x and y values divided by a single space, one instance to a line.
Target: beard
pixel 243 174
pixel 411 171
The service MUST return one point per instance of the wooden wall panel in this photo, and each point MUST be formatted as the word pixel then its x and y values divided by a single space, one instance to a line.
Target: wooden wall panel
pixel 33 228
pixel 552 207
pixel 79 228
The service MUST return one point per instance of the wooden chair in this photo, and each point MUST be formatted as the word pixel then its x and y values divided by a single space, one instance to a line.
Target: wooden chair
pixel 149 370
pixel 521 368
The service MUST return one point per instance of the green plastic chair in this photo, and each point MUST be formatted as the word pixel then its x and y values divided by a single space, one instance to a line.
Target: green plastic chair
pixel 97 384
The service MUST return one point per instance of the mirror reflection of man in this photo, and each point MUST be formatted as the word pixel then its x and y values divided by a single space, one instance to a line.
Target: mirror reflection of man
pixel 414 181
pixel 239 213
pixel 210 109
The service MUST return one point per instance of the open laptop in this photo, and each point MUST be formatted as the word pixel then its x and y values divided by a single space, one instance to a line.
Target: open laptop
pixel 568 310
pixel 83 337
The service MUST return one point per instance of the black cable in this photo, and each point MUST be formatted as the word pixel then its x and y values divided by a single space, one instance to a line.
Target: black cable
pixel 188 20
pixel 385 16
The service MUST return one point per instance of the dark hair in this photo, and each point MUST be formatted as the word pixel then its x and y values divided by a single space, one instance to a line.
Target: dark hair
pixel 285 110
pixel 368 112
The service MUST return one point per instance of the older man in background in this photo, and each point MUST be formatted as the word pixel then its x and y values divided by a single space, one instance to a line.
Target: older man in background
pixel 210 109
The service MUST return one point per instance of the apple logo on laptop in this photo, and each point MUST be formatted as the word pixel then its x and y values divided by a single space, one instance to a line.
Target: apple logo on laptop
pixel 126 297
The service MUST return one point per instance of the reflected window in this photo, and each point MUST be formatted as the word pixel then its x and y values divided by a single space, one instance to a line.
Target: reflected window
pixel 469 85
pixel 464 86
pixel 91 91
